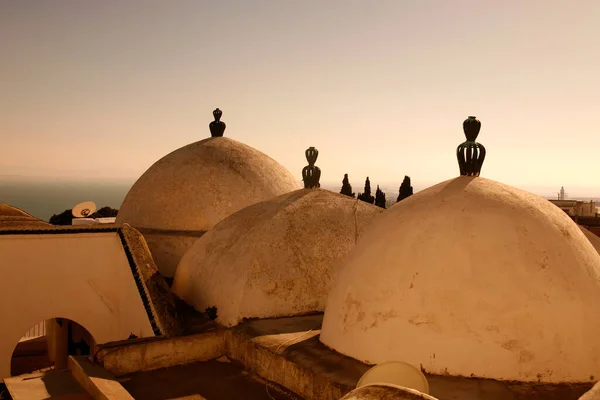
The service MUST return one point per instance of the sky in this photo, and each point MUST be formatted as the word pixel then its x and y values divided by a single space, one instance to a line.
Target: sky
pixel 100 90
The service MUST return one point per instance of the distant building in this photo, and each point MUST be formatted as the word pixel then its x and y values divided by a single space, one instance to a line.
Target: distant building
pixel 575 208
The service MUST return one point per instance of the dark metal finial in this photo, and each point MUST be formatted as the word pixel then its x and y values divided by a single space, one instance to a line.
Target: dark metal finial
pixel 311 174
pixel 217 127
pixel 470 154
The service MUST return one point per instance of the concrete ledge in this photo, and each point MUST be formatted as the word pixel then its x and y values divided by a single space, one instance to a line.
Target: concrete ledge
pixel 276 368
pixel 96 381
pixel 286 351
pixel 150 355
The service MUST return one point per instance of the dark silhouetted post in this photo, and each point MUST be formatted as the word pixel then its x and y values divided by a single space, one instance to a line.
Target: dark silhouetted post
pixel 379 198
pixel 470 154
pixel 405 189
pixel 366 196
pixel 217 127
pixel 346 187
pixel 311 174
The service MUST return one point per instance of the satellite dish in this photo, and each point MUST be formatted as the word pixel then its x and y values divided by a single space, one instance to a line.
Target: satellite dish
pixel 395 373
pixel 83 210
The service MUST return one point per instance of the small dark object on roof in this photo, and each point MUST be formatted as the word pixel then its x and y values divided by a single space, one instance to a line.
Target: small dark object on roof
pixel 470 154
pixel 311 174
pixel 217 127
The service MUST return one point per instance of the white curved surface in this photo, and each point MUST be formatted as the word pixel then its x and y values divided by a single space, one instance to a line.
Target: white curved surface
pixel 196 186
pixel 275 258
pixel 396 373
pixel 475 278
pixel 386 392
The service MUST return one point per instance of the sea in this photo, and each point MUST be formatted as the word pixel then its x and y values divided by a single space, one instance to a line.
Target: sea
pixel 44 198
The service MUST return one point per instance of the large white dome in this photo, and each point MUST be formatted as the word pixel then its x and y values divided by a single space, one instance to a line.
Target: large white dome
pixel 196 186
pixel 188 191
pixel 275 258
pixel 473 278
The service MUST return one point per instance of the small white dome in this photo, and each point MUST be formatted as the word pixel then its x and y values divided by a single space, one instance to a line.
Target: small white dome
pixel 275 258
pixel 473 278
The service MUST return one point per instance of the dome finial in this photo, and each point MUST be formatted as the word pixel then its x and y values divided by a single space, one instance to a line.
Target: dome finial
pixel 217 127
pixel 311 174
pixel 470 154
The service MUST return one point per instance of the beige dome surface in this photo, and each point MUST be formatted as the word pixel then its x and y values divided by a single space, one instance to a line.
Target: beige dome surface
pixel 473 278
pixel 594 240
pixel 191 189
pixel 386 392
pixel 15 218
pixel 592 394
pixel 275 258
pixel 198 185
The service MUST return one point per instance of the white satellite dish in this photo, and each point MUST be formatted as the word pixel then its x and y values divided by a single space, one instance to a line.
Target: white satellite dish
pixel 83 210
pixel 395 373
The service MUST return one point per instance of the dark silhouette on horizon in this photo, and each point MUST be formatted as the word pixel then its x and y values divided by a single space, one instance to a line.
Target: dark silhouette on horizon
pixel 405 190
pixel 347 187
pixel 379 198
pixel 366 195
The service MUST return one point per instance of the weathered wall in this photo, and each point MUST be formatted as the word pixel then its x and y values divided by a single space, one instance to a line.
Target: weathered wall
pixel 84 277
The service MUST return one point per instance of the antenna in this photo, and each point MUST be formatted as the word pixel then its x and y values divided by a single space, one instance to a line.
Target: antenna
pixel 83 210
pixel 395 373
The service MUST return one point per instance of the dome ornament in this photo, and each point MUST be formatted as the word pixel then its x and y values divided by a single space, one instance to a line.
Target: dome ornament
pixel 217 127
pixel 311 174
pixel 470 154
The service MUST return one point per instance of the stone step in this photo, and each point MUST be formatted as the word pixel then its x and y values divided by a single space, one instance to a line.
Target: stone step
pixel 49 385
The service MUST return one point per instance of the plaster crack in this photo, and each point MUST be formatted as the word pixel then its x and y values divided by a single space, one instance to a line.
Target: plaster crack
pixel 355 222
pixel 93 285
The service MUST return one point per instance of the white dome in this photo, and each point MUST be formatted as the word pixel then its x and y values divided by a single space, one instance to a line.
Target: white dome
pixel 473 278
pixel 275 258
pixel 188 191
pixel 196 186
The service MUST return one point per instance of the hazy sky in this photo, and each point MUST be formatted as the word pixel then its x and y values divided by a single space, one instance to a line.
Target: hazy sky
pixel 105 88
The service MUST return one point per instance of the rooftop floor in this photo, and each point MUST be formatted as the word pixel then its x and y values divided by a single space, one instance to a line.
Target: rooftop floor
pixel 212 380
pixel 287 352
